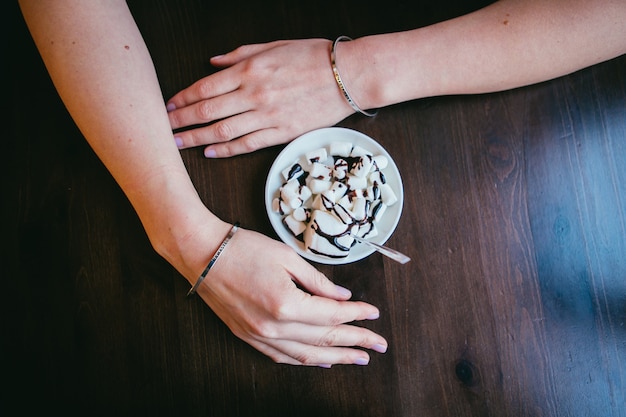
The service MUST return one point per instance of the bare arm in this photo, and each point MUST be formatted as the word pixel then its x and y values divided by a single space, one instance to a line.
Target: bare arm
pixel 271 93
pixel 104 74
pixel 506 45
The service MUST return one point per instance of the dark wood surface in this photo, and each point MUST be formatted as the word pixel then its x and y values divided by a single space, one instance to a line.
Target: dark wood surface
pixel 515 216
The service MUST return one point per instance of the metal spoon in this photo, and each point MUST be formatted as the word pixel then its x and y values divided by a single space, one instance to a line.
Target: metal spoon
pixel 392 253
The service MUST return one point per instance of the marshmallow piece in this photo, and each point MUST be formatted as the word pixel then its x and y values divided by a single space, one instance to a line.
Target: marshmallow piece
pixel 289 193
pixel 340 189
pixel 345 201
pixel 300 214
pixel 360 209
pixel 377 177
pixel 305 194
pixel 356 183
pixel 357 193
pixel 380 162
pixel 317 155
pixel 320 171
pixel 367 230
pixel 276 205
pixel 284 208
pixel 295 227
pixel 340 148
pixel 327 235
pixel 362 167
pixel 387 195
pixel 377 211
pixel 343 213
pixel 318 186
pixel 294 194
pixel 373 192
pixel 293 171
pixel 360 151
pixel 340 168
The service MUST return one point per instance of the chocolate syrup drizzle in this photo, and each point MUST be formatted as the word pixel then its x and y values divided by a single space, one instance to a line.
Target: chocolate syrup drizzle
pixel 351 163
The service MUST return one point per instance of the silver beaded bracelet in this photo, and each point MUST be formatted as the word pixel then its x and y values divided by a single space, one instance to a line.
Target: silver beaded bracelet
pixel 342 87
pixel 202 276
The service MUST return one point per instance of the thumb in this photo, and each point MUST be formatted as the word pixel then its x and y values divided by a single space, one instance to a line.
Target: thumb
pixel 316 283
pixel 241 53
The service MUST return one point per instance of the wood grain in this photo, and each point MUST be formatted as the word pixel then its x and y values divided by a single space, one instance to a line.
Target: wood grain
pixel 515 216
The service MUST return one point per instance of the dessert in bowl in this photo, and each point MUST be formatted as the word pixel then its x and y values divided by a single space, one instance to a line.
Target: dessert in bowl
pixel 328 185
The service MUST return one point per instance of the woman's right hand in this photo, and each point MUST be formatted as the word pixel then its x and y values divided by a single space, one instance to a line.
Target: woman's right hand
pixel 269 296
pixel 259 299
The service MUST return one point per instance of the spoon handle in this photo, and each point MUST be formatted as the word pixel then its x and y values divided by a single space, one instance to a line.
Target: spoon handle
pixel 392 253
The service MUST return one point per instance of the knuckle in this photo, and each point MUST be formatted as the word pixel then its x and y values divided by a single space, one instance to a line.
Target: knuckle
pixel 282 312
pixel 205 88
pixel 328 339
pixel 193 139
pixel 223 131
pixel 263 96
pixel 249 144
pixel 205 110
pixel 307 357
pixel 224 151
pixel 263 329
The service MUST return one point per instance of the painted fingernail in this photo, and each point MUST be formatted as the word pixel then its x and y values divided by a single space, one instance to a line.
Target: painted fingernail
pixel 170 107
pixel 361 361
pixel 379 348
pixel 343 291
pixel 373 316
pixel 179 141
pixel 210 153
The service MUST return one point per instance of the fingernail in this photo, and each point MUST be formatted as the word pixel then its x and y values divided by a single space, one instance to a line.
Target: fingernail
pixel 361 361
pixel 373 316
pixel 324 365
pixel 343 291
pixel 210 153
pixel 379 348
pixel 170 107
pixel 179 141
pixel 218 57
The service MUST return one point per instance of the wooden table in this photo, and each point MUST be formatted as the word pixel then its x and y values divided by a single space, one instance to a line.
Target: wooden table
pixel 515 216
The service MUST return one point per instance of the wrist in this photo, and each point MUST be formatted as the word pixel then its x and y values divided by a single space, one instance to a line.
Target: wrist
pixel 189 241
pixel 359 63
pixel 179 226
pixel 381 70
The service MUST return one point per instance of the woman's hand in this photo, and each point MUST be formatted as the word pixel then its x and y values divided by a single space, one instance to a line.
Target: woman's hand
pixel 281 305
pixel 268 94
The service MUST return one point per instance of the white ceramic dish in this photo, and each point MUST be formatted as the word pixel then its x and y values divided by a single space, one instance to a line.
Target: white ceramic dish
pixel 320 138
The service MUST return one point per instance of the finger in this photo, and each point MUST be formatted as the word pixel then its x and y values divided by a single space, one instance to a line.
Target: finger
pixel 241 53
pixel 315 282
pixel 319 355
pixel 214 85
pixel 326 336
pixel 294 353
pixel 248 128
pixel 247 143
pixel 208 110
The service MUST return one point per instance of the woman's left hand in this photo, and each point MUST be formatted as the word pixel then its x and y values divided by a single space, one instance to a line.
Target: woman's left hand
pixel 267 94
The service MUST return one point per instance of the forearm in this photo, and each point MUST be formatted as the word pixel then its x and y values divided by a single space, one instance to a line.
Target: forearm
pixel 102 70
pixel 506 45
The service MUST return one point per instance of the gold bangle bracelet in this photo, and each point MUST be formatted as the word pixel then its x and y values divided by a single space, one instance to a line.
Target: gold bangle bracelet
pixel 340 83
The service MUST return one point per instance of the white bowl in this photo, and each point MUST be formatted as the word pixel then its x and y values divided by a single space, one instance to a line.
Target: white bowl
pixel 321 138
